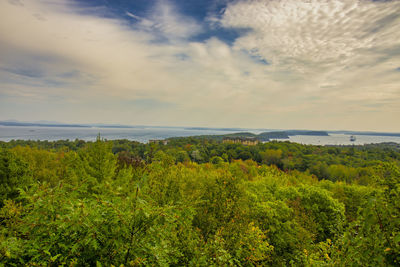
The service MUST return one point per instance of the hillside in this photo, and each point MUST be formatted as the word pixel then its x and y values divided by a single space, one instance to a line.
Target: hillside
pixel 198 202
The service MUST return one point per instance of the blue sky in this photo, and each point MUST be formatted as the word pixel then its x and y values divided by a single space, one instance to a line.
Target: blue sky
pixel 311 64
pixel 197 10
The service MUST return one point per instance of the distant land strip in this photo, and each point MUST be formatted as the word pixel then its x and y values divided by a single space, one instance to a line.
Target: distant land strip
pixel 264 136
pixel 8 123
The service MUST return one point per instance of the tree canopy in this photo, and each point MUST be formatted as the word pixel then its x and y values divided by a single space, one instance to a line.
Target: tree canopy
pixel 198 202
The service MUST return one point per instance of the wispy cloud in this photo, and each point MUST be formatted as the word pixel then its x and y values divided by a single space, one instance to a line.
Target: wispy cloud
pixel 352 46
pixel 294 63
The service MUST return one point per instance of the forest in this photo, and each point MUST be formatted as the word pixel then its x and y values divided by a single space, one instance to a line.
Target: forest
pixel 198 202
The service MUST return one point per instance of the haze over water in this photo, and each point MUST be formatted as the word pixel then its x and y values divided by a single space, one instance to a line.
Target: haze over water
pixel 140 134
pixel 144 134
pixel 341 139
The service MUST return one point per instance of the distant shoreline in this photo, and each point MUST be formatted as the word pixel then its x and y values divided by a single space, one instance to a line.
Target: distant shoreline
pixel 27 124
pixel 239 130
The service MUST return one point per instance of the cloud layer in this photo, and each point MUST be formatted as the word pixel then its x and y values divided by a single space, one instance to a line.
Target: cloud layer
pixel 295 64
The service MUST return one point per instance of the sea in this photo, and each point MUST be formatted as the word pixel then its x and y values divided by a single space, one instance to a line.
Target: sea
pixel 144 134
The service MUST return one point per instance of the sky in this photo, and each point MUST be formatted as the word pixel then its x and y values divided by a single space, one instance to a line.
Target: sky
pixel 275 64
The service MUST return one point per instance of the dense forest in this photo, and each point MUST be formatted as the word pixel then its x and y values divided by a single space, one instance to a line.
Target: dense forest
pixel 198 202
pixel 264 136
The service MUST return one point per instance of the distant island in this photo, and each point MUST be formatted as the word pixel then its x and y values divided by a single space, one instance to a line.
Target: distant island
pixel 241 132
pixel 55 124
pixel 264 137
pixel 33 124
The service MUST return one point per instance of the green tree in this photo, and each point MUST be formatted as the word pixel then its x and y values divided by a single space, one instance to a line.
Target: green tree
pixel 99 162
pixel 14 174
pixel 271 157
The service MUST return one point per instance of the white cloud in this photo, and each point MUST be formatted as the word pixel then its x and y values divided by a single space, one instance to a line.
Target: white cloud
pixel 164 19
pixel 335 50
pixel 327 59
pixel 113 60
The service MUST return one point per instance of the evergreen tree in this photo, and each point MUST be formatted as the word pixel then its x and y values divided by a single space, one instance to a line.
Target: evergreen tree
pixel 99 162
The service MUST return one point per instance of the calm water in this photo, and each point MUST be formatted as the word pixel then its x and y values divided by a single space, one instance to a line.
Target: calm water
pixel 144 134
pixel 141 134
pixel 341 139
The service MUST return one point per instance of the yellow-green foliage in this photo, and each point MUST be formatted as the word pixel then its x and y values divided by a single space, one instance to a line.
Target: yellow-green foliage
pixel 161 207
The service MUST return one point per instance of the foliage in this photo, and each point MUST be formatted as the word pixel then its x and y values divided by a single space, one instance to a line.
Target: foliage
pixel 198 202
pixel 14 174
